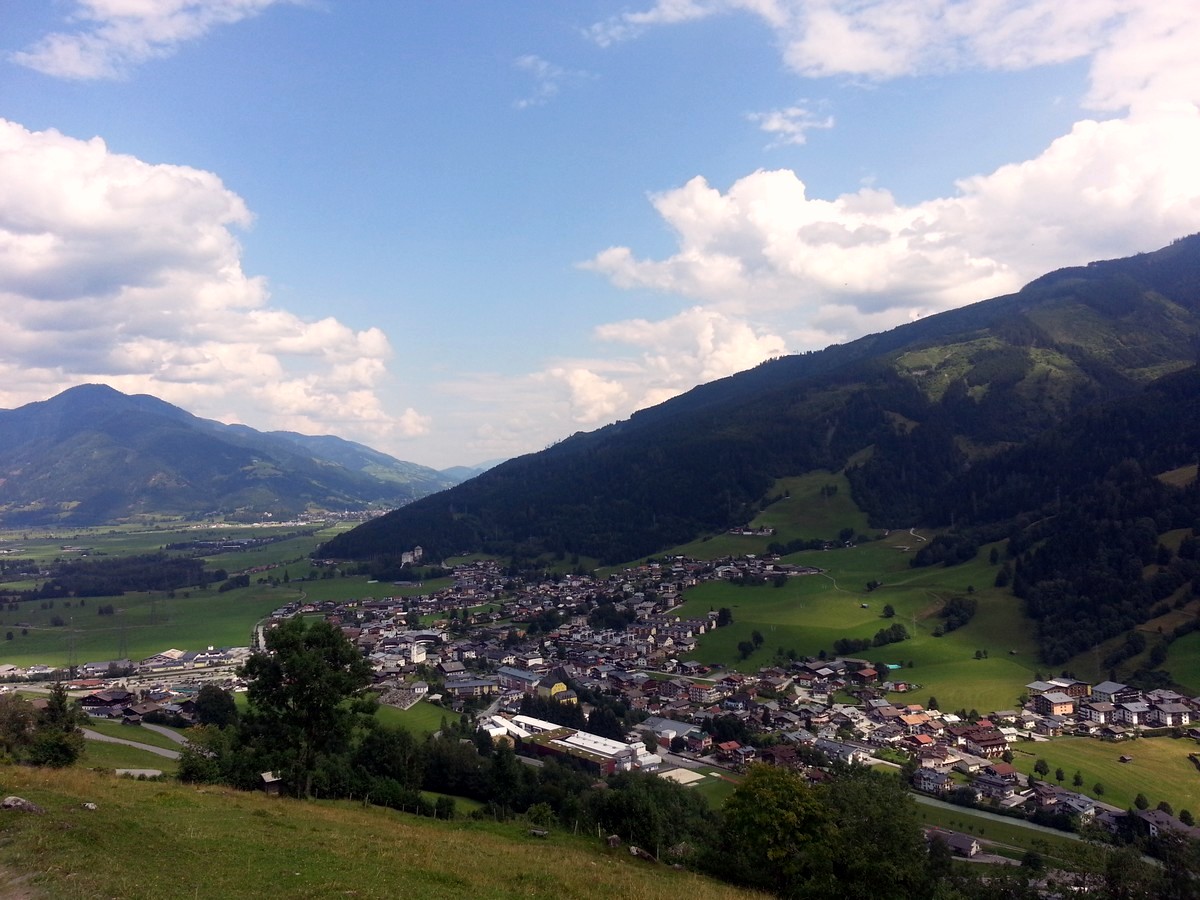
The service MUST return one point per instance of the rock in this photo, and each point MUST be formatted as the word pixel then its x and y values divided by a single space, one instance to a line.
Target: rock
pixel 21 804
pixel 90 805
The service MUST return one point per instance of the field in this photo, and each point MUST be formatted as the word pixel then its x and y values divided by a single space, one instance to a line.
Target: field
pixel 1183 661
pixel 810 612
pixel 1057 849
pixel 293 849
pixel 1160 768
pixel 147 623
pixel 143 625
pixel 421 719
pixel 99 755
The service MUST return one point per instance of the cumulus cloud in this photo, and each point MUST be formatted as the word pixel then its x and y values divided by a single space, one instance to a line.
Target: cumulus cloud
pixel 1137 49
pixel 864 259
pixel 113 36
pixel 818 269
pixel 118 271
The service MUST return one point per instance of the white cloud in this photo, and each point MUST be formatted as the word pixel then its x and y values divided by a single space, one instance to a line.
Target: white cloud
pixel 113 36
pixel 1137 49
pixel 833 267
pixel 790 125
pixel 118 271
pixel 548 79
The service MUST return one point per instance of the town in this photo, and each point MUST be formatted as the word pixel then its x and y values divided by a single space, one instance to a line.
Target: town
pixel 496 646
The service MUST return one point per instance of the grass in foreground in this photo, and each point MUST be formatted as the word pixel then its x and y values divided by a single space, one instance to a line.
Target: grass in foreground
pixel 223 843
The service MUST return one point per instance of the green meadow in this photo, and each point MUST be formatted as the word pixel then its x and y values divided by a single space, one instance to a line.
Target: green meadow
pixel 1160 768
pixel 142 625
pixel 810 612
pixel 99 755
pixel 421 719
pixel 1062 851
pixel 1183 661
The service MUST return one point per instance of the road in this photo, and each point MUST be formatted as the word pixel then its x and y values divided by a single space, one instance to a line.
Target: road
pixel 105 739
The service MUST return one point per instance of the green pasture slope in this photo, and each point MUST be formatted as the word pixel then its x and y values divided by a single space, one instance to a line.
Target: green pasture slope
pixel 1160 768
pixel 810 612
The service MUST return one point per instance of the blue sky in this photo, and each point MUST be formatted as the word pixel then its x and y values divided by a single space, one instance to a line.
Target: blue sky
pixel 461 231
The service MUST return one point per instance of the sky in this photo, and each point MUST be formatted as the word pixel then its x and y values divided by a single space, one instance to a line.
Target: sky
pixel 461 231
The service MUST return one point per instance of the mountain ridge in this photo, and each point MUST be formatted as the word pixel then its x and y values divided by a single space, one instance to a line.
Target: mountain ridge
pixel 94 455
pixel 906 410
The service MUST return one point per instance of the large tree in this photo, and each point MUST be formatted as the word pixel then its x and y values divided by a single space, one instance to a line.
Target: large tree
pixel 302 692
pixel 56 739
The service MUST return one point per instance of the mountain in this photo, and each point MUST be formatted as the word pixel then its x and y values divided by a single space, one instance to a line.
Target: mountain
pixel 904 412
pixel 93 455
pixel 465 473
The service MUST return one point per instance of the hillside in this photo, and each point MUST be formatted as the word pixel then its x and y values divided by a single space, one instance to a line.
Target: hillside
pixel 151 840
pixel 912 409
pixel 93 455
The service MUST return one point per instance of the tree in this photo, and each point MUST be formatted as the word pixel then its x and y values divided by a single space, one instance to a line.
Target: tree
pixel 1098 789
pixel 775 832
pixel 299 692
pixel 215 706
pixel 1077 779
pixel 888 611
pixel 16 722
pixel 1059 775
pixel 745 648
pixel 724 617
pixel 757 638
pixel 1141 801
pixel 1042 767
pixel 1186 817
pixel 1164 806
pixel 56 739
pixel 932 702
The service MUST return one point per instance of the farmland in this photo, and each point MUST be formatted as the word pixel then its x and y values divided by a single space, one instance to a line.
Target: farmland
pixel 1159 768
pixel 810 612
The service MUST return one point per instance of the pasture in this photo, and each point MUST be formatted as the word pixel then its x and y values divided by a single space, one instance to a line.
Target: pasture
pixel 98 755
pixel 421 719
pixel 1183 661
pixel 1160 768
pixel 810 612
pixel 142 624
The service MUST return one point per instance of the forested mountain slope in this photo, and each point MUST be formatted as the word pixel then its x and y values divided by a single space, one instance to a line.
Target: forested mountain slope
pixel 907 410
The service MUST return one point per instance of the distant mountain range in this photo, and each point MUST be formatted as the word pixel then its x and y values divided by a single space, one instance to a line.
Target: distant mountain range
pixel 93 455
pixel 909 414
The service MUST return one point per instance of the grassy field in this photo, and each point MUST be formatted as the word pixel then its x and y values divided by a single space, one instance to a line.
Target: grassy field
pixel 421 719
pixel 131 733
pixel 1183 661
pixel 716 787
pixel 99 755
pixel 1058 850
pixel 144 624
pixel 810 612
pixel 801 512
pixel 1160 768
pixel 217 843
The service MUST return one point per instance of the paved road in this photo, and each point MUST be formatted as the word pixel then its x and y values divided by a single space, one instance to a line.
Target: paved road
pixel 168 733
pixel 105 739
